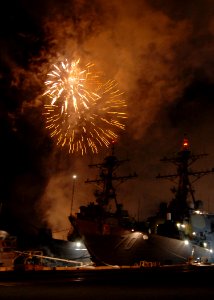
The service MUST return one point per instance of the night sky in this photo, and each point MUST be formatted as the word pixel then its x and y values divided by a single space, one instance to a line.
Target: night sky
pixel 161 53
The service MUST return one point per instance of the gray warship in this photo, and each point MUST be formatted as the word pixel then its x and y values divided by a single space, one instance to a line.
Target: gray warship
pixel 183 233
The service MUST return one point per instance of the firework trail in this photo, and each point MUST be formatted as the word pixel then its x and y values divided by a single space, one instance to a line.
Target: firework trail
pixel 83 113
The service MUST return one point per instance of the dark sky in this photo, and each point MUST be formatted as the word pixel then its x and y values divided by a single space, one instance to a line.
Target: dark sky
pixel 161 54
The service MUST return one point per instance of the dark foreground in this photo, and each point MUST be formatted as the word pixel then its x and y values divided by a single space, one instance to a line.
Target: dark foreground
pixel 146 283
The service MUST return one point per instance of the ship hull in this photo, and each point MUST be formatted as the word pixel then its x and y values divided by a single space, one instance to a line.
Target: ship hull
pixel 74 251
pixel 132 248
pixel 122 247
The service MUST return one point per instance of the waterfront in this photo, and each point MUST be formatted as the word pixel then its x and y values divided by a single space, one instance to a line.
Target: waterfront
pixel 109 283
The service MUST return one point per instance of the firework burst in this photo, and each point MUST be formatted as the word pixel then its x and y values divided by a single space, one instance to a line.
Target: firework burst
pixel 84 113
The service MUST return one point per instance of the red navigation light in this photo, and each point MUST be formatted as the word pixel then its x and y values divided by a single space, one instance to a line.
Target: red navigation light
pixel 113 142
pixel 185 143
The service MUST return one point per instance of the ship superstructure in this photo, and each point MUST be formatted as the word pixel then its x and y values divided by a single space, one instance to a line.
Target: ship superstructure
pixel 106 204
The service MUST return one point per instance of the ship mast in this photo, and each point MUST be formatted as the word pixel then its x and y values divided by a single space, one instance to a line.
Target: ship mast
pixel 106 191
pixel 179 207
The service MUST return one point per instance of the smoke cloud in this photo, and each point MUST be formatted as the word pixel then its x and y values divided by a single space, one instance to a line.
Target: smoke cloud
pixel 160 53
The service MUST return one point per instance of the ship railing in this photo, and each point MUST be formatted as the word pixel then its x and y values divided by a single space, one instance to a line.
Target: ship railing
pixel 31 254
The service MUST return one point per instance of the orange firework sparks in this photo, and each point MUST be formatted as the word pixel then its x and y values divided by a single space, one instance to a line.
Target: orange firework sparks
pixel 83 113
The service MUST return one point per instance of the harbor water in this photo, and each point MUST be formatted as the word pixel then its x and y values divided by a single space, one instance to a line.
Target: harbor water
pixel 169 282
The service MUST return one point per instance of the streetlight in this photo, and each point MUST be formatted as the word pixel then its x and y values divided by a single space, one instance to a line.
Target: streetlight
pixel 72 196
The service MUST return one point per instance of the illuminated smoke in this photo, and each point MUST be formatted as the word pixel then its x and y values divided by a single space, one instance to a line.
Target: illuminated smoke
pixel 155 50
